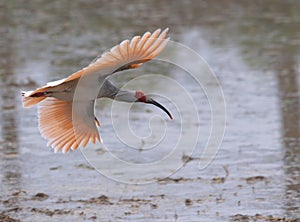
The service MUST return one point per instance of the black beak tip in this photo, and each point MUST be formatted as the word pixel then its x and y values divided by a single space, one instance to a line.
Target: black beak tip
pixel 152 101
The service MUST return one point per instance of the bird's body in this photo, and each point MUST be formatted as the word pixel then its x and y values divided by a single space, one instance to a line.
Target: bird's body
pixel 66 106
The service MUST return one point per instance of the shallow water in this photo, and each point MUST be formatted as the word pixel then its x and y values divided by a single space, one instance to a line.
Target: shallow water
pixel 252 47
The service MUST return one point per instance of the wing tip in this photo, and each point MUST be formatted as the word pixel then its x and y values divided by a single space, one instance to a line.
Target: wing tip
pixel 166 29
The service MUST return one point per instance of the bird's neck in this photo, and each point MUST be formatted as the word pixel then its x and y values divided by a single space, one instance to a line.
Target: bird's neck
pixel 109 90
pixel 125 96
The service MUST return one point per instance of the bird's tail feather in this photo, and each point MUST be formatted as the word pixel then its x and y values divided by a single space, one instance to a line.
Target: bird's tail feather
pixel 29 101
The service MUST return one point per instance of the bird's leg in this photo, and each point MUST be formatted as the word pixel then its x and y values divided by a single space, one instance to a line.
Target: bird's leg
pixel 39 94
pixel 48 93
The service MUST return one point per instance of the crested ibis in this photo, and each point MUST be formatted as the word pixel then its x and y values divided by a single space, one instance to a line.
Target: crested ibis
pixel 56 110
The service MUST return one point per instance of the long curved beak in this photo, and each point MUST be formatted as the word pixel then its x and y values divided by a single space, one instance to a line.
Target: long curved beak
pixel 152 101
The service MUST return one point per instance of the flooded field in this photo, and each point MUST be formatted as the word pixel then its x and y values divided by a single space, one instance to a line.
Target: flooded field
pixel 252 47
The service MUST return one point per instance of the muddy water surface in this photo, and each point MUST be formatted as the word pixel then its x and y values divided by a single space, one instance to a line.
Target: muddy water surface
pixel 253 48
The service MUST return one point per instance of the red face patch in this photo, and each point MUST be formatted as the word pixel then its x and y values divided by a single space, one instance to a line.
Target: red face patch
pixel 140 96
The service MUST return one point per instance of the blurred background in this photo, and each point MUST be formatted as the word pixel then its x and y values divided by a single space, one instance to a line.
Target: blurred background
pixel 252 47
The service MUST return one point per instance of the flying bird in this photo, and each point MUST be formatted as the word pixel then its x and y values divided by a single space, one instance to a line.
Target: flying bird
pixel 66 107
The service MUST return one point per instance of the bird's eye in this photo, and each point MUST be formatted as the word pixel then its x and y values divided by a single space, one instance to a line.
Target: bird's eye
pixel 140 96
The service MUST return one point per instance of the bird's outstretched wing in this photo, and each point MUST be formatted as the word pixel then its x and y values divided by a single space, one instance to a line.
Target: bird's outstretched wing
pixel 126 55
pixel 67 125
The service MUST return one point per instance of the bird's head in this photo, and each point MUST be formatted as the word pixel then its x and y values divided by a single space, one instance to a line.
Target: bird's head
pixel 141 97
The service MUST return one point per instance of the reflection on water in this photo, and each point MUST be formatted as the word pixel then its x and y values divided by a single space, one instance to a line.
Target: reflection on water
pixel 288 86
pixel 252 45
